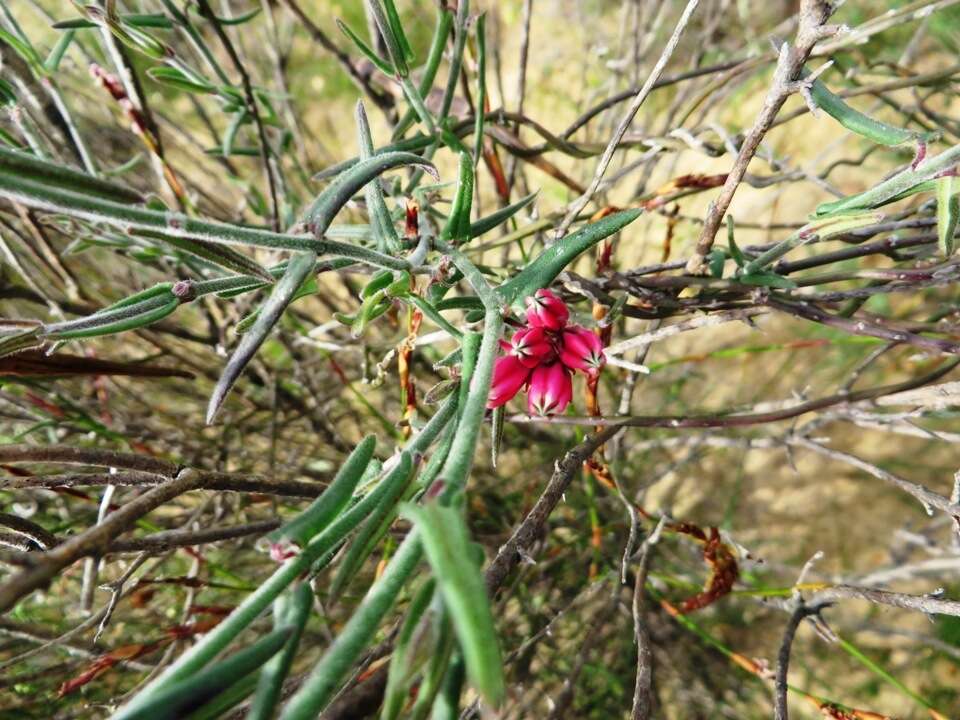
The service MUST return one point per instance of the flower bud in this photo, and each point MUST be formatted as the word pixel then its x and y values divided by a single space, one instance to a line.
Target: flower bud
pixel 551 389
pixel 581 350
pixel 509 375
pixel 532 346
pixel 546 310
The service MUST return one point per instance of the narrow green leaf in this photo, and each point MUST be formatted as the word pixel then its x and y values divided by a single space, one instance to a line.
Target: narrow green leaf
pixel 406 660
pixel 52 63
pixel 464 302
pixel 130 35
pixel 26 52
pixel 291 613
pixel 238 20
pixel 447 704
pixel 442 651
pixel 298 270
pixel 160 290
pixel 316 551
pixel 438 43
pixel 448 549
pixel 379 62
pixel 220 255
pixel 419 107
pixel 893 188
pixel 817 229
pixel 339 192
pixel 394 45
pixel 457 228
pixel 948 212
pixel 381 223
pixel 885 675
pixel 767 279
pixel 19 341
pixel 396 27
pixel 378 282
pixel 28 167
pixel 717 258
pixel 857 122
pixel 494 219
pixel 181 697
pixel 735 252
pixel 219 707
pixel 321 512
pixel 238 118
pixel 431 313
pixel 551 262
pixel 328 674
pixel 175 77
pixel 151 20
pixel 51 198
pixel 415 144
pixel 8 95
pixel 496 433
pixel 371 309
pixel 385 494
pixel 376 526
pixel 109 321
pixel 456 59
pixel 481 87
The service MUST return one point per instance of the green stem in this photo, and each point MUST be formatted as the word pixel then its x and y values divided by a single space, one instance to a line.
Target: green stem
pixel 460 460
pixel 54 199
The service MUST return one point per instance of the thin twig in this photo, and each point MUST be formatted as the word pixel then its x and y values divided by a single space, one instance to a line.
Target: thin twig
pixel 581 202
pixel 642 698
pixel 94 540
pixel 252 107
pixel 813 15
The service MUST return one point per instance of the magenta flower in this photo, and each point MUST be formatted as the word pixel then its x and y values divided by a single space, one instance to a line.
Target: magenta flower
pixel 546 310
pixel 509 375
pixel 532 346
pixel 543 355
pixel 581 350
pixel 551 389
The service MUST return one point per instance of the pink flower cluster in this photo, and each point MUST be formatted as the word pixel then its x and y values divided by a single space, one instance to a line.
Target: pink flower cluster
pixel 542 357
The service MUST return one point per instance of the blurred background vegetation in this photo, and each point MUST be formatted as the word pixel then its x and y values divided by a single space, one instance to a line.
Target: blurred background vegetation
pixel 314 390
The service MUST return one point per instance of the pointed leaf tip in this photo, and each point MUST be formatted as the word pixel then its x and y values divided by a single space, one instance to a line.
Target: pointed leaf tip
pixel 283 293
